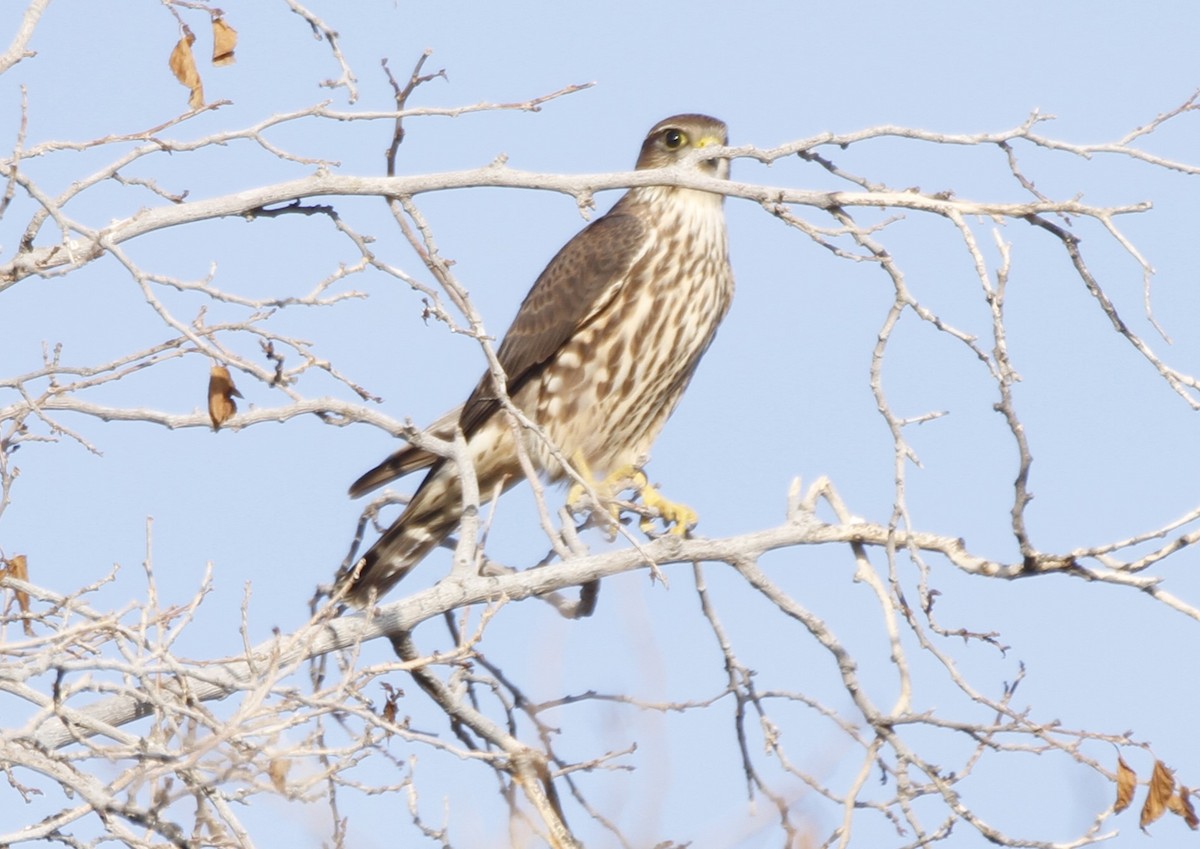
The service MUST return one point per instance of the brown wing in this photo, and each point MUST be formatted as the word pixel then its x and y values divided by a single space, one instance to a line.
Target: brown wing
pixel 576 284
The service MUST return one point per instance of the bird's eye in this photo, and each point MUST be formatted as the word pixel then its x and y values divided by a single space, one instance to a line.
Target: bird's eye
pixel 674 139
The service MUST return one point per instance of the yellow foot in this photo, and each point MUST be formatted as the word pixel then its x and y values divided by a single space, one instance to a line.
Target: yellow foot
pixel 679 516
pixel 606 491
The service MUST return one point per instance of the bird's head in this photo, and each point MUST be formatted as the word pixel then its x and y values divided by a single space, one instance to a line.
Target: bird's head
pixel 671 141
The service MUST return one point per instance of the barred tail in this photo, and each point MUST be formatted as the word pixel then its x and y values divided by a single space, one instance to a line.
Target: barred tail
pixel 394 554
pixel 432 513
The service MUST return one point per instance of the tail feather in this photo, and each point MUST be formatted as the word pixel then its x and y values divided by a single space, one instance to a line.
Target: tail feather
pixel 432 513
pixel 393 556
pixel 407 459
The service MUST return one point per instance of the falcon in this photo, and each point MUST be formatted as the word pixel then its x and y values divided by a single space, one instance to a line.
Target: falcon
pixel 597 357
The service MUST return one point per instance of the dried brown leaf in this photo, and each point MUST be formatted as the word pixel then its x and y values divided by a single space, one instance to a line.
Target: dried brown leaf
pixel 183 66
pixel 17 567
pixel 394 694
pixel 1182 804
pixel 221 391
pixel 278 770
pixel 1162 788
pixel 1126 785
pixel 224 42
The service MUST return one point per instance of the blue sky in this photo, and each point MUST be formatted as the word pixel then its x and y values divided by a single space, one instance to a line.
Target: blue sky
pixel 783 392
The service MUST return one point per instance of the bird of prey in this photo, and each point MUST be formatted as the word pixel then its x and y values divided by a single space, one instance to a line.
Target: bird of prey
pixel 597 357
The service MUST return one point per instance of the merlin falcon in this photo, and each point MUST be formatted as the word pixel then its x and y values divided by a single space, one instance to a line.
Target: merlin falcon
pixel 597 357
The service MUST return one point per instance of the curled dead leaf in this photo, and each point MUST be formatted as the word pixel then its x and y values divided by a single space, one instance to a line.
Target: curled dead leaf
pixel 224 42
pixel 1126 784
pixel 221 392
pixel 1181 804
pixel 278 770
pixel 394 694
pixel 183 66
pixel 17 567
pixel 1162 789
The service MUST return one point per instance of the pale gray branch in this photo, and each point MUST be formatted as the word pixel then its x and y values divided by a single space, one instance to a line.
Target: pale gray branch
pixel 18 50
pixel 86 246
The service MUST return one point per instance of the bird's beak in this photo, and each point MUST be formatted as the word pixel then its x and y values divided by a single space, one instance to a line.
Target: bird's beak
pixel 714 164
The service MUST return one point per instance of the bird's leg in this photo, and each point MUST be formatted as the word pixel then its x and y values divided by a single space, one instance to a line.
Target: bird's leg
pixel 578 489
